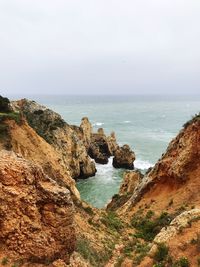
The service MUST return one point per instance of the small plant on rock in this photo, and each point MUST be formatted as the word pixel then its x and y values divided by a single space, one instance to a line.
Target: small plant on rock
pixel 4 261
pixel 161 253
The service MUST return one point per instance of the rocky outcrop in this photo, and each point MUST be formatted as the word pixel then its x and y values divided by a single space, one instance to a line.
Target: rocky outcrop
pixel 98 149
pixel 131 179
pixel 36 213
pixel 51 127
pixel 76 145
pixel 181 221
pixel 22 139
pixel 177 170
pixel 124 158
pixel 102 147
pixel 112 143
pixel 86 128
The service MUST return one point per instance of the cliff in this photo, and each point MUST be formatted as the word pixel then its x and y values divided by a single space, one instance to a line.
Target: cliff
pixel 153 221
pixel 22 139
pixel 163 207
pixel 175 175
pixel 55 131
pixel 37 215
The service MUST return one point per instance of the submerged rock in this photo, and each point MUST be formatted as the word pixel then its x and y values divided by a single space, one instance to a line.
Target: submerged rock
pixel 124 158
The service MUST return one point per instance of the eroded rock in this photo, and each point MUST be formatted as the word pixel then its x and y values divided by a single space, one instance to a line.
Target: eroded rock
pixel 50 126
pixel 130 180
pixel 124 158
pixel 36 214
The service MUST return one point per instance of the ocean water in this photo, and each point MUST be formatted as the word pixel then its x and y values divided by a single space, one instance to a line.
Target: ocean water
pixel 146 123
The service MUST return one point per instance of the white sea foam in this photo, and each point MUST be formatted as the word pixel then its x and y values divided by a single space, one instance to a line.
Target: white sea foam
pixel 126 121
pixel 105 170
pixel 98 124
pixel 142 164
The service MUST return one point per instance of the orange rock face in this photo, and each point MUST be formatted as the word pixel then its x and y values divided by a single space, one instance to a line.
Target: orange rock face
pixel 36 214
pixel 26 142
pixel 175 176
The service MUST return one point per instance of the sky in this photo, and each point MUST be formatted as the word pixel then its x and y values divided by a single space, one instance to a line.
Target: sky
pixel 99 47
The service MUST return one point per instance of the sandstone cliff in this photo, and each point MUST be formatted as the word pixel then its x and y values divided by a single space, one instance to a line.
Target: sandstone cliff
pixel 164 207
pixel 153 221
pixel 176 174
pixel 37 215
pixel 22 139
pixel 52 128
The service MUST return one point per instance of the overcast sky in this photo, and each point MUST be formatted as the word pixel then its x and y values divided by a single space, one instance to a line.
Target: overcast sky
pixel 99 46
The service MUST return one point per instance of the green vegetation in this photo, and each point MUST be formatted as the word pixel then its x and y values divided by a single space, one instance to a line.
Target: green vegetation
pixel 4 261
pixel 182 262
pixel 3 131
pixel 119 261
pixel 161 253
pixel 148 227
pixel 193 119
pixel 159 265
pixel 137 249
pixel 141 250
pixel 88 252
pixel 196 241
pixel 118 201
pixel 10 115
pixel 4 104
pixel 89 210
pixel 112 221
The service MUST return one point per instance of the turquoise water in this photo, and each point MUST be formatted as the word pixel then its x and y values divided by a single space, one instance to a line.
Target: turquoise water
pixel 146 123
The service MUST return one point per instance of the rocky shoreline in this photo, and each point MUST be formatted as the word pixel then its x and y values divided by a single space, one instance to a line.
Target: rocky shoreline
pixel 152 221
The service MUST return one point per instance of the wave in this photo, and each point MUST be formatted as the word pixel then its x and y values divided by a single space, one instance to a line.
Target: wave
pixel 142 164
pixel 126 121
pixel 107 169
pixel 98 124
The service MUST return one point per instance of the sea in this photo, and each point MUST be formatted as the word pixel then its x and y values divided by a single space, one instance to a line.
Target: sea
pixel 147 123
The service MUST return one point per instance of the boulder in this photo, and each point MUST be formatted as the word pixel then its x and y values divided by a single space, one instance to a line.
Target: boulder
pixel 124 158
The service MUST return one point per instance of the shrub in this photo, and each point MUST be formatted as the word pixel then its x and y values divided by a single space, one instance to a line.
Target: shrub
pixel 141 250
pixel 159 265
pixel 112 221
pixel 4 261
pixel 161 253
pixel 11 115
pixel 193 119
pixel 198 261
pixel 4 104
pixel 147 228
pixel 182 262
pixel 119 261
pixel 89 210
pixel 96 258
